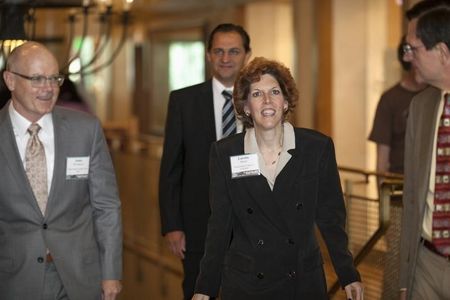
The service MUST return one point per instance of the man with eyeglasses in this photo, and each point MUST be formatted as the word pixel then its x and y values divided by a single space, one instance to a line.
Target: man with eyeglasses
pixel 425 237
pixel 60 220
pixel 197 116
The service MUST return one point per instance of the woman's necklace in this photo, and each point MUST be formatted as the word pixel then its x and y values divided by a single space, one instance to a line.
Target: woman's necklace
pixel 280 149
pixel 276 159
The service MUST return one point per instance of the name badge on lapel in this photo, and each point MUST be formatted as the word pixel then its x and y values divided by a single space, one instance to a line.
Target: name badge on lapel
pixel 77 167
pixel 244 165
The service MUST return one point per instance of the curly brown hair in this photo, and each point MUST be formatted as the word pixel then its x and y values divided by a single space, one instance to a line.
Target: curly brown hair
pixel 252 73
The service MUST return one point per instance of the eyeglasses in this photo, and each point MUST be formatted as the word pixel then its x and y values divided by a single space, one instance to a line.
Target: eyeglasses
pixel 39 81
pixel 407 48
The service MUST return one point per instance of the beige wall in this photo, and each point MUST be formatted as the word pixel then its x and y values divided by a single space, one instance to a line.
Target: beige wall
pixel 270 27
pixel 305 60
pixel 365 64
pixel 359 40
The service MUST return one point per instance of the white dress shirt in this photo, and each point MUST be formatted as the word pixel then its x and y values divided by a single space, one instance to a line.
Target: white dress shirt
pixel 219 101
pixel 46 135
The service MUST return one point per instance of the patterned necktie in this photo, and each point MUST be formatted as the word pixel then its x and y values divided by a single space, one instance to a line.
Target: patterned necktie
pixel 441 214
pixel 228 118
pixel 36 166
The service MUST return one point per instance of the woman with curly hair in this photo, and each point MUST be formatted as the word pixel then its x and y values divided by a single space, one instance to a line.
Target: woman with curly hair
pixel 270 187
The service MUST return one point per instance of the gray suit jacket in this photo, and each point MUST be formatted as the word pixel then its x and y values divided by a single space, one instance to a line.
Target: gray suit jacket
pixel 82 224
pixel 419 141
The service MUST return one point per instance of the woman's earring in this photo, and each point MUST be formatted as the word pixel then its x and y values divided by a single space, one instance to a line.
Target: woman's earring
pixel 247 113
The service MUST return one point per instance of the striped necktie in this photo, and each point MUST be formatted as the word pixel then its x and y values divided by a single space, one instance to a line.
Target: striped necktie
pixel 228 118
pixel 36 167
pixel 441 213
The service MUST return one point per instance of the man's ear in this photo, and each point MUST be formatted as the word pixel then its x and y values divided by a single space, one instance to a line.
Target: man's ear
pixel 247 56
pixel 444 53
pixel 208 56
pixel 9 80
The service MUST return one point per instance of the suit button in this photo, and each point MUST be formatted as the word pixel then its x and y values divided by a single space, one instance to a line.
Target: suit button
pixel 40 260
pixel 250 210
pixel 44 226
pixel 292 274
pixel 260 275
pixel 261 242
pixel 290 241
pixel 299 205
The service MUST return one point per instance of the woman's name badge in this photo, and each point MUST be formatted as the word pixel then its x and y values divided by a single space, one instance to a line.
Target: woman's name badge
pixel 244 165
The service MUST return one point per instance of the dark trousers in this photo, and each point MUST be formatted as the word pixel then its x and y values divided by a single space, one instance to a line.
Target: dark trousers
pixel 191 268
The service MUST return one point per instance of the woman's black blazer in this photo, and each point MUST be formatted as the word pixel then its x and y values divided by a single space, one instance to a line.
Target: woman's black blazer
pixel 261 243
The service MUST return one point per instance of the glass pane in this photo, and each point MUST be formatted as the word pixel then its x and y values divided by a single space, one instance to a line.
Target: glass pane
pixel 186 64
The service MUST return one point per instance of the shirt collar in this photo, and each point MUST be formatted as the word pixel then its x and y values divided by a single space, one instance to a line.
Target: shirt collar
pixel 251 146
pixel 219 87
pixel 21 124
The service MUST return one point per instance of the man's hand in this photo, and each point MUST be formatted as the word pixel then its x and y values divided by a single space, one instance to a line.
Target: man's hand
pixel 200 297
pixel 176 242
pixel 355 291
pixel 403 294
pixel 111 288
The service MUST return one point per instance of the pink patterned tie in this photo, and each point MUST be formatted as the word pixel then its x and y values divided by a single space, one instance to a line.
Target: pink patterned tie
pixel 441 214
pixel 36 166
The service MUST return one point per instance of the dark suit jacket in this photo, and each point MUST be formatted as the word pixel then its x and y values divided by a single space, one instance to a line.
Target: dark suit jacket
pixel 419 142
pixel 274 253
pixel 184 177
pixel 82 224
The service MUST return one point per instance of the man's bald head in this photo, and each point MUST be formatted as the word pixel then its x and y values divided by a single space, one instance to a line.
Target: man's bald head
pixel 30 75
pixel 29 50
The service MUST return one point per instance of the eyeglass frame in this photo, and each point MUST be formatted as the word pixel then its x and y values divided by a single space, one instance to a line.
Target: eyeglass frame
pixel 53 80
pixel 408 48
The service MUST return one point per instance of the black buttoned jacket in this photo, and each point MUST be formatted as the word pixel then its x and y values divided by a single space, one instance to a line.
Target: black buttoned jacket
pixel 184 177
pixel 274 253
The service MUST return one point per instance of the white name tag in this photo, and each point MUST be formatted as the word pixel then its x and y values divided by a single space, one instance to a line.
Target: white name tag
pixel 77 167
pixel 244 165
